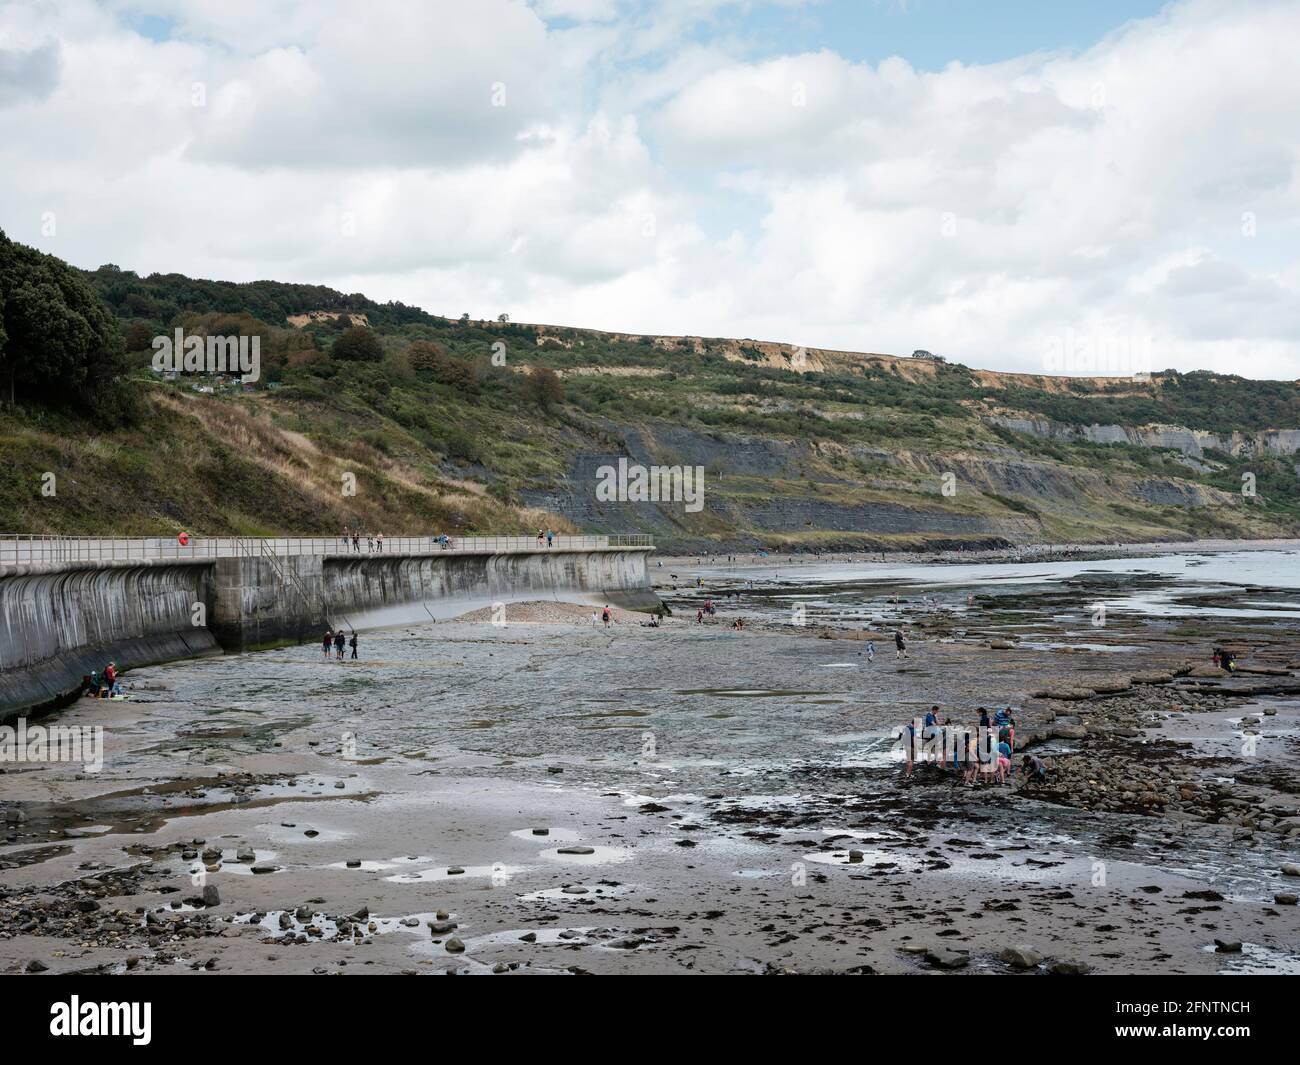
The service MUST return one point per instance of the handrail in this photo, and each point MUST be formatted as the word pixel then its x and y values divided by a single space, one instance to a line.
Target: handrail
pixel 20 548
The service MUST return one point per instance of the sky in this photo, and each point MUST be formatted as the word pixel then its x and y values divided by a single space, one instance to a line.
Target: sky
pixel 1107 187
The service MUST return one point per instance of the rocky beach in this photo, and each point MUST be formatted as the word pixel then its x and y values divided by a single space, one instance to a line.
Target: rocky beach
pixel 549 795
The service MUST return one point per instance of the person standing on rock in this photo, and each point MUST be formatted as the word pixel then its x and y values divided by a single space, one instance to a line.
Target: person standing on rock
pixel 606 616
pixel 339 641
pixel 326 642
pixel 871 651
pixel 353 643
pixel 899 646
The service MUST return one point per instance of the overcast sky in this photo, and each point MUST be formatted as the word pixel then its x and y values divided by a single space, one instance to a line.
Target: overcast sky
pixel 995 182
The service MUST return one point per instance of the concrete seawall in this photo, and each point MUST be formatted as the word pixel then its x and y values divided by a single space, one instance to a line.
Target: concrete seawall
pixel 60 620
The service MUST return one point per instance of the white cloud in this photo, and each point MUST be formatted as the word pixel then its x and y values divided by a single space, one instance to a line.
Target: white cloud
pixel 644 175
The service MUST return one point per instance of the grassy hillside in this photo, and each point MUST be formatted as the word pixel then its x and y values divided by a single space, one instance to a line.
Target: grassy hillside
pixel 800 448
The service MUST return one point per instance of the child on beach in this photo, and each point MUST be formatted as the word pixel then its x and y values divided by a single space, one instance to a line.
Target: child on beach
pixel 1004 761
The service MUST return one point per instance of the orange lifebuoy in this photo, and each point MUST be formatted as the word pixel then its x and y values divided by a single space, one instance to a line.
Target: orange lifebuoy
pixel 184 539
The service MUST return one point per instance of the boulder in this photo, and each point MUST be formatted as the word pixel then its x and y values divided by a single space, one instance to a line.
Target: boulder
pixel 1021 957
pixel 943 958
pixel 1065 693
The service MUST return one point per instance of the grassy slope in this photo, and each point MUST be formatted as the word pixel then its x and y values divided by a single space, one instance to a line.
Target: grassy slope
pixel 429 455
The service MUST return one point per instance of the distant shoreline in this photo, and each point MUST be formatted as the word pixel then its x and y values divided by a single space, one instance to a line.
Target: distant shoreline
pixel 1023 553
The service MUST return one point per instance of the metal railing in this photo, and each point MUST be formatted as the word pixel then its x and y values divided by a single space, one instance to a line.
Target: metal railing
pixel 17 549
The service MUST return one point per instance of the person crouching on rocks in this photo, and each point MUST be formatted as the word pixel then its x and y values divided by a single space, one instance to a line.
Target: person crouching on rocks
pixel 1035 770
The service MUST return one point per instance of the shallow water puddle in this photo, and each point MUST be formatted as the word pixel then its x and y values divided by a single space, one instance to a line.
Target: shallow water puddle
pixel 495 871
pixel 744 692
pixel 599 856
pixel 1256 959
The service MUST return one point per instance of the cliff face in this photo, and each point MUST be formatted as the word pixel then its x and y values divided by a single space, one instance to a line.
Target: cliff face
pixel 1190 442
pixel 763 492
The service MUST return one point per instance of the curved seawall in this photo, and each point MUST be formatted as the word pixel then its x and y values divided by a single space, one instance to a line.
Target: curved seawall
pixel 392 590
pixel 60 620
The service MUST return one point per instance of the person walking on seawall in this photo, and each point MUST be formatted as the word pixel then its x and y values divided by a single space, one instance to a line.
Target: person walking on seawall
pixel 370 541
pixel 540 537
pixel 356 542
pixel 899 646
pixel 379 538
pixel 353 643
pixel 339 641
pixel 550 538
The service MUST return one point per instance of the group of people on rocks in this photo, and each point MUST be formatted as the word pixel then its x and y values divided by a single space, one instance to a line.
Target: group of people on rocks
pixel 975 755
pixel 337 641
pixel 104 685
pixel 374 541
pixel 1224 659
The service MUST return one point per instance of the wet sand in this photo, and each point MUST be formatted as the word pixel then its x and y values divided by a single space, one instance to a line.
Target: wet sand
pixel 713 801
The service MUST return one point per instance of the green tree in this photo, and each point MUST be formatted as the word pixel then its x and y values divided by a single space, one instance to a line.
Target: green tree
pixel 138 336
pixel 543 388
pixel 427 355
pixel 358 344
pixel 431 359
pixel 61 345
